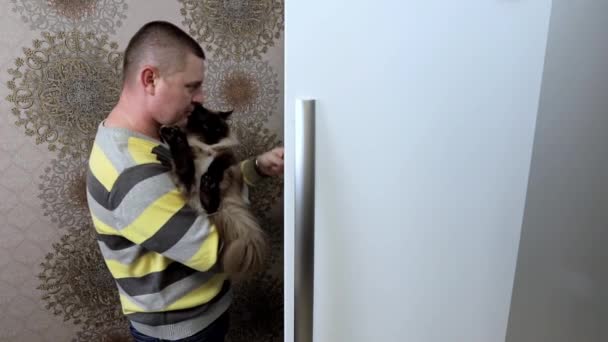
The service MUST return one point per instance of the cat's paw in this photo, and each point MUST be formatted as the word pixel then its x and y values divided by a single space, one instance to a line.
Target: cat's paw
pixel 163 156
pixel 209 193
pixel 171 134
pixel 209 182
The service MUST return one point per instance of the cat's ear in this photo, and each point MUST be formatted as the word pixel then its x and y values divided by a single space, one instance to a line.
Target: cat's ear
pixel 225 115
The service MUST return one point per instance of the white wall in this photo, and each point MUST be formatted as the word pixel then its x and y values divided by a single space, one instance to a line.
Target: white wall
pixel 561 287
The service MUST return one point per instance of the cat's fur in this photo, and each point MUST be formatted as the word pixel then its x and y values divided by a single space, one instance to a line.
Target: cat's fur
pixel 206 169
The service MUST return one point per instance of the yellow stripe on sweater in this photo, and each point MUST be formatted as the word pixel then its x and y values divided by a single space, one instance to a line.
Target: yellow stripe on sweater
pixel 102 227
pixel 206 256
pixel 154 217
pixel 200 295
pixel 147 263
pixel 102 168
pixel 141 150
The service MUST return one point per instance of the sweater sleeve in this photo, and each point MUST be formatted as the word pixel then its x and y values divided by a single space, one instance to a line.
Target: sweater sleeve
pixel 250 174
pixel 143 205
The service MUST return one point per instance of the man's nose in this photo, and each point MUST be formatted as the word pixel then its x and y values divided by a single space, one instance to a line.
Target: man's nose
pixel 199 96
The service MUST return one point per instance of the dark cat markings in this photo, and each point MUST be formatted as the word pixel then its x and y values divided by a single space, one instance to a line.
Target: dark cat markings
pixel 207 171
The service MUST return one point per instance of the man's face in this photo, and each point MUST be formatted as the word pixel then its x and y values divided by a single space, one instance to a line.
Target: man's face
pixel 177 92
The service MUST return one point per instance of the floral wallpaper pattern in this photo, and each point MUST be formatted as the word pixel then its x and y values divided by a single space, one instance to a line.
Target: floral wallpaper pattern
pixel 101 16
pixel 239 29
pixel 60 69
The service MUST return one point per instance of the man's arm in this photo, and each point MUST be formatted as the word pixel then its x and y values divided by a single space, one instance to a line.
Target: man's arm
pixel 265 165
pixel 145 208
pixel 154 214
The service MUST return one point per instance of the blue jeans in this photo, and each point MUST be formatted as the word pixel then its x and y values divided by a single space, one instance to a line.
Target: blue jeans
pixel 213 333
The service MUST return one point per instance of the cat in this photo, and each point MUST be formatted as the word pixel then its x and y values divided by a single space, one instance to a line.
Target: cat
pixel 205 168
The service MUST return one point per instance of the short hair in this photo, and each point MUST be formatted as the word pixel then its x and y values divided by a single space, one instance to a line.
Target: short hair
pixel 162 44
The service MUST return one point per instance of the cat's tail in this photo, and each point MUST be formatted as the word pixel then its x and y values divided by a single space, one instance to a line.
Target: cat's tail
pixel 246 245
pixel 246 255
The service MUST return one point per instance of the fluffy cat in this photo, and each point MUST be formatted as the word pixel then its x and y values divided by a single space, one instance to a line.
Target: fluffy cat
pixel 205 168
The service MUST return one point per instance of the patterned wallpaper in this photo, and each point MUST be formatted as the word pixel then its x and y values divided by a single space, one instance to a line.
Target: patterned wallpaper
pixel 60 66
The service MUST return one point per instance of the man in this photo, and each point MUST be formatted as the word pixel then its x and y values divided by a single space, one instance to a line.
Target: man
pixel 162 255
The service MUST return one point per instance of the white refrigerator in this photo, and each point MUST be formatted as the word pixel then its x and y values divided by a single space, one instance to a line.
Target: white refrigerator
pixel 408 132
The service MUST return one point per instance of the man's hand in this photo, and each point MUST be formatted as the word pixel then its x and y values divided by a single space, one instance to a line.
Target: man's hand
pixel 271 163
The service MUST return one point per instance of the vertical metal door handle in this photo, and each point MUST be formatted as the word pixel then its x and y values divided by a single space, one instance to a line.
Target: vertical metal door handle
pixel 304 219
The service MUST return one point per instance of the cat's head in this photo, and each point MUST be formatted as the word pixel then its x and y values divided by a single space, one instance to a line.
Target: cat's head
pixel 210 126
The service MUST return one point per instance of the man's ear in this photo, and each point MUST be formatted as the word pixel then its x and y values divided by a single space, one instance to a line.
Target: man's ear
pixel 225 115
pixel 149 77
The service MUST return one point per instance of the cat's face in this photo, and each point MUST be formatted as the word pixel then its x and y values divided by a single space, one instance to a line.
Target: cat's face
pixel 210 126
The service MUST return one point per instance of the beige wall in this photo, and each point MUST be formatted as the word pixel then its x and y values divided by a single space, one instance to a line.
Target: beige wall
pixel 54 90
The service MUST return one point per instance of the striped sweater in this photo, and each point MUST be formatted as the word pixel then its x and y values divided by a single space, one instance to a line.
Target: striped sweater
pixel 162 255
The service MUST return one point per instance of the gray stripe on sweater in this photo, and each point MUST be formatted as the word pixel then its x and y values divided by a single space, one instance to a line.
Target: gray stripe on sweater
pixel 160 300
pixel 135 202
pixel 124 256
pixel 188 327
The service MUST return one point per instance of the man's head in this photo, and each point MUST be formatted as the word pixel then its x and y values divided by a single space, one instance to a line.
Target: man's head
pixel 164 67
